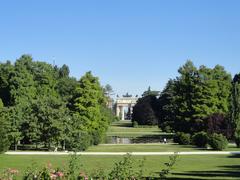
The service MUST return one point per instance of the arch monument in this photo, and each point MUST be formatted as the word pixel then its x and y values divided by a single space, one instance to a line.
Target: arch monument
pixel 127 101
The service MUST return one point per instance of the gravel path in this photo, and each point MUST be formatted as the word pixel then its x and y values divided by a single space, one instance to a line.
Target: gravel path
pixel 124 153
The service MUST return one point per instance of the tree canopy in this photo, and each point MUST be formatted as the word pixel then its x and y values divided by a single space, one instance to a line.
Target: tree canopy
pixel 41 104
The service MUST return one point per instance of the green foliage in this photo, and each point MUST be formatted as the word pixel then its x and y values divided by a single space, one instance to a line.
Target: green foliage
pixel 89 108
pixel 9 174
pixel 127 168
pixel 135 124
pixel 194 95
pixel 237 139
pixel 182 138
pixel 168 166
pixel 79 141
pixel 6 70
pixel 200 139
pixel 218 142
pixel 149 92
pixel 64 71
pixel 31 172
pixel 166 106
pixel 123 169
pixel 73 167
pixel 99 174
pixel 43 105
pixel 144 111
pixel 4 131
pixel 235 107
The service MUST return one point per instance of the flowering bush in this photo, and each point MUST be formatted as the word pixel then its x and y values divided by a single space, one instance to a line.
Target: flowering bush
pixel 9 174
pixel 124 169
pixel 47 173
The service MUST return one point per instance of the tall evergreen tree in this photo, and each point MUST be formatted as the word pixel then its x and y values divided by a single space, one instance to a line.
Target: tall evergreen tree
pixel 185 88
pixel 166 107
pixel 195 95
pixel 6 70
pixel 235 107
pixel 4 129
pixel 88 101
pixel 144 112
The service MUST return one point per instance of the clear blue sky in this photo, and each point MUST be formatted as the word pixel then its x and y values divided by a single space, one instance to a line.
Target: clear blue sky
pixel 130 44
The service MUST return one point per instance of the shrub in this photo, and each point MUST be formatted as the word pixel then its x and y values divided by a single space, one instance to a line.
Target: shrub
pixel 144 111
pixel 135 124
pixel 237 138
pixel 126 169
pixel 219 123
pixel 182 138
pixel 9 174
pixel 123 169
pixel 97 137
pixel 79 141
pixel 200 139
pixel 168 129
pixel 218 142
pixel 4 142
pixel 166 126
pixel 4 130
pixel 168 166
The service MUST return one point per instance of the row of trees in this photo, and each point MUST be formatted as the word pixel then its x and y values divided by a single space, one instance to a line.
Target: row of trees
pixel 41 104
pixel 199 99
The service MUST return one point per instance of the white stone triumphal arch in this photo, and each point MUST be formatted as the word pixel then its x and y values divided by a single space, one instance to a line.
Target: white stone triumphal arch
pixel 125 102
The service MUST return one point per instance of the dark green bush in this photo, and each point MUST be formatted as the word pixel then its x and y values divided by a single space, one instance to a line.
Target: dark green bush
pixel 97 137
pixel 4 140
pixel 200 139
pixel 218 142
pixel 80 141
pixel 168 129
pixel 237 139
pixel 182 138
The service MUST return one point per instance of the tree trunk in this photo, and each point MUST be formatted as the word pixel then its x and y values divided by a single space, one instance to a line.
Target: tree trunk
pixel 15 145
pixel 64 145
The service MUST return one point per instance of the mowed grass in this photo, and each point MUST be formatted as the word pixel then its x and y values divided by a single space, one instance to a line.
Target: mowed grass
pixel 152 148
pixel 125 129
pixel 142 148
pixel 187 167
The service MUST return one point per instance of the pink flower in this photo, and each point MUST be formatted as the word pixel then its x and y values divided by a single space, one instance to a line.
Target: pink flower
pixel 53 176
pixel 13 171
pixel 59 174
pixel 82 174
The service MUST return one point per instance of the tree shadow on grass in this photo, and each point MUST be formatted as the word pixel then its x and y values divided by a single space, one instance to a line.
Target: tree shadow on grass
pixel 158 138
pixel 217 174
pixel 234 156
pixel 228 171
pixel 126 124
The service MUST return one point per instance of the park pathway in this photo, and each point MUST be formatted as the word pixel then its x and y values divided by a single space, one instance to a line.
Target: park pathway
pixel 125 153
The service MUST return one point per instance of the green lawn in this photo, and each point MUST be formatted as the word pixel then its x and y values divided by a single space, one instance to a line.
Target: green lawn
pixel 125 129
pixel 151 148
pixel 141 148
pixel 187 167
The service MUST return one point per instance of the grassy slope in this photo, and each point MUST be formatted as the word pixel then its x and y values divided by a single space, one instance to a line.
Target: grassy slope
pixel 187 167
